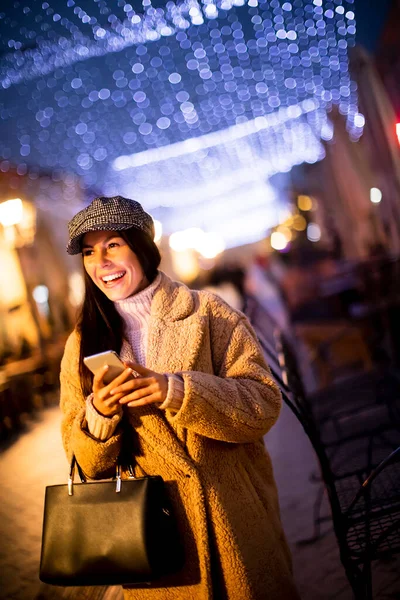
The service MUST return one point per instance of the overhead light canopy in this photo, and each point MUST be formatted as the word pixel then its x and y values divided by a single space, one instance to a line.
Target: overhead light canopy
pixel 180 104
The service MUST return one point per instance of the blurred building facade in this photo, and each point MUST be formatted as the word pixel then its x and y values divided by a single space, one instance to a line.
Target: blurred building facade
pixel 40 288
pixel 388 56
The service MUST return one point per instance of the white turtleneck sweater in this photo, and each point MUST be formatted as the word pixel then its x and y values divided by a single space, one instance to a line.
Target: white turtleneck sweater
pixel 135 312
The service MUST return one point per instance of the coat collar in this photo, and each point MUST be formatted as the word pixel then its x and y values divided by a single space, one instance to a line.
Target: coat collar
pixel 172 301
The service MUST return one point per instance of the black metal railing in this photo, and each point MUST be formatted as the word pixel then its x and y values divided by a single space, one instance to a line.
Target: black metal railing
pixel 354 428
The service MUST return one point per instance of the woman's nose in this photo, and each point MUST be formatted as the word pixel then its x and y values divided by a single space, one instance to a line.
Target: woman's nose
pixel 103 258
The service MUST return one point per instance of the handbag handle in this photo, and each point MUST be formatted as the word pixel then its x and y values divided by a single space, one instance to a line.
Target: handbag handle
pixel 82 477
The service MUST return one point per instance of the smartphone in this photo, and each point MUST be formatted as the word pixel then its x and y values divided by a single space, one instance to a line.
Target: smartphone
pixel 110 358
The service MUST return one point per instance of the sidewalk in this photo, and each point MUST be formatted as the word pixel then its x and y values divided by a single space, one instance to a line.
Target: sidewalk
pixel 36 459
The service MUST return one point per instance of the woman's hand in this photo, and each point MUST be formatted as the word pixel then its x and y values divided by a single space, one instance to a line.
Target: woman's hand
pixel 105 401
pixel 149 388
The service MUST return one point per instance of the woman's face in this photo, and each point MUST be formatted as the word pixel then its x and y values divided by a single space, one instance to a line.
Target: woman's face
pixel 112 265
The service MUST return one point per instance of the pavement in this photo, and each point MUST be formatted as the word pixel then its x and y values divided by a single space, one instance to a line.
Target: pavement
pixel 35 459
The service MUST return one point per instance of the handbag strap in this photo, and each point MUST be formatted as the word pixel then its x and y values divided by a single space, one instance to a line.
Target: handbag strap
pixel 74 463
pixel 118 470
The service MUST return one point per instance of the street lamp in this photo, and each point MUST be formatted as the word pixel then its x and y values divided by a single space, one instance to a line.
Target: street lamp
pixel 11 212
pixel 18 219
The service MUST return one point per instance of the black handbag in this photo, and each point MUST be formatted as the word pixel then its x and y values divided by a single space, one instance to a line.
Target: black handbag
pixel 108 532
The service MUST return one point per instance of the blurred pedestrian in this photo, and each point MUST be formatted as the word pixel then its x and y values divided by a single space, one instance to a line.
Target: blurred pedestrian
pixel 227 283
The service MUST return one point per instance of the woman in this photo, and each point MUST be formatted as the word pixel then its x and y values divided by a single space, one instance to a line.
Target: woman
pixel 196 415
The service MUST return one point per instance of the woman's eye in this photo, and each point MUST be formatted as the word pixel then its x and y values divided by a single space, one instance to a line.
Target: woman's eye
pixel 113 244
pixel 87 252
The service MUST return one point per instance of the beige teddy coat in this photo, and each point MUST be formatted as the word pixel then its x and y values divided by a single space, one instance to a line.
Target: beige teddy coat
pixel 210 453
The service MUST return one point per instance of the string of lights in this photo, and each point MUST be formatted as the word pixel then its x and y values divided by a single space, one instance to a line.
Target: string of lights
pixel 185 105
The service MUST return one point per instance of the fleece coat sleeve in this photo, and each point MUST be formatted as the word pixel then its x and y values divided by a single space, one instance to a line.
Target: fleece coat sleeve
pixel 239 404
pixel 95 457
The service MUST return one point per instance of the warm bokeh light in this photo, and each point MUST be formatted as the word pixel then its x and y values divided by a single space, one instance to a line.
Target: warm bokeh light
pixel 189 247
pixel 375 195
pixel 11 212
pixel 187 238
pixel 299 223
pixel 185 264
pixel 285 231
pixel 14 292
pixel 18 219
pixel 211 245
pixel 208 245
pixel 76 288
pixel 278 240
pixel 398 131
pixel 158 230
pixel 304 203
pixel 10 236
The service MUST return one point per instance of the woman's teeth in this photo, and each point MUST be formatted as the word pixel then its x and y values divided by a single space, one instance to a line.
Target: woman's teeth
pixel 113 277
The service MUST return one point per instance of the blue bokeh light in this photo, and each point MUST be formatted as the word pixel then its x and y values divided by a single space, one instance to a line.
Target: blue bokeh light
pixel 177 103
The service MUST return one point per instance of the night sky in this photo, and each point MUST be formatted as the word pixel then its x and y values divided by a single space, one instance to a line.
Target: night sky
pixel 370 15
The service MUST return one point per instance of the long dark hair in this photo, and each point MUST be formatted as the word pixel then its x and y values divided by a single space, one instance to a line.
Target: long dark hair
pixel 99 324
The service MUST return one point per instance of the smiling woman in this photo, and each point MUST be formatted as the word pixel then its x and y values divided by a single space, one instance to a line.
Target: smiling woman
pixel 196 413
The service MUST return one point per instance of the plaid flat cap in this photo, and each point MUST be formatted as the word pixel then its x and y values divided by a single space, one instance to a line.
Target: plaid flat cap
pixel 109 214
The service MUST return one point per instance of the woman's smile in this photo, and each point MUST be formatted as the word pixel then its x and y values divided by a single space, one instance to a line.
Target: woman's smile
pixel 114 278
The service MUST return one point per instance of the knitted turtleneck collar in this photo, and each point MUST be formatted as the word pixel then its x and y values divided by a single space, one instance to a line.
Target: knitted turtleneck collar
pixel 135 312
pixel 143 297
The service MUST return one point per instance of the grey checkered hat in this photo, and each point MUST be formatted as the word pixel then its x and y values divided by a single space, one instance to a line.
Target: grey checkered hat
pixel 108 214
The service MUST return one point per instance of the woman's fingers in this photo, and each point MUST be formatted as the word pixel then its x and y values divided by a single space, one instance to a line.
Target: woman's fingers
pixel 105 400
pixel 143 371
pixel 143 401
pixel 98 378
pixel 106 388
pixel 126 374
pixel 140 393
pixel 143 390
pixel 151 387
pixel 133 384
